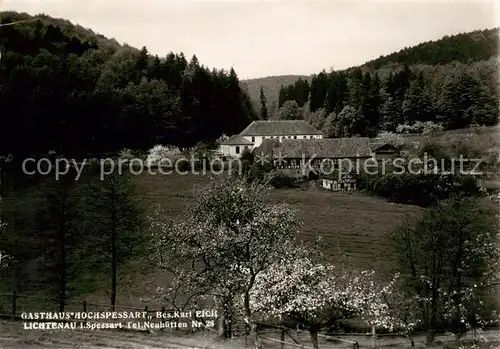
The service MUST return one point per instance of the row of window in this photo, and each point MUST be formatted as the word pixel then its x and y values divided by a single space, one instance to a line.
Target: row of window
pixel 283 137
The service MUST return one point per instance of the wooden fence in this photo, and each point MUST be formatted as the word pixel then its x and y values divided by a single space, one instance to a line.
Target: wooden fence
pixel 286 332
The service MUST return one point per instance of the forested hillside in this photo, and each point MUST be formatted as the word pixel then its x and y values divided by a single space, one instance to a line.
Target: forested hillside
pixel 67 89
pixel 452 81
pixel 271 86
pixel 479 45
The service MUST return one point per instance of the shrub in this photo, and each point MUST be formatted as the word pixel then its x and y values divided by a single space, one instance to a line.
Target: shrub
pixel 281 180
pixel 159 152
pixel 418 189
pixel 435 151
pixel 259 171
pixel 420 127
pixel 126 154
pixel 467 146
pixel 221 139
pixel 391 138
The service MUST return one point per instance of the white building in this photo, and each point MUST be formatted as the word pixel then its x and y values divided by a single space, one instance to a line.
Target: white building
pixel 258 131
pixel 235 145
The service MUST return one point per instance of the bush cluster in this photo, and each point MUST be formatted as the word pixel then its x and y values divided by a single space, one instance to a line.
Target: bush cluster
pixel 418 189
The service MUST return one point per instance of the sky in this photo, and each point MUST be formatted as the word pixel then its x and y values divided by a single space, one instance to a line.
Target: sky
pixel 264 38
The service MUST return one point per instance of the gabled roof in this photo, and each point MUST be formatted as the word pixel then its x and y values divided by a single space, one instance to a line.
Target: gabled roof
pixel 279 128
pixel 236 140
pixel 379 145
pixel 321 148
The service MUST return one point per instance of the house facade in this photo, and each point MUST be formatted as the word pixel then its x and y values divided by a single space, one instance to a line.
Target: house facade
pixel 278 130
pixel 323 156
pixel 235 145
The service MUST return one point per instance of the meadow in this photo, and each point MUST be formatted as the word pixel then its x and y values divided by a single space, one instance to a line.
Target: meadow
pixel 355 228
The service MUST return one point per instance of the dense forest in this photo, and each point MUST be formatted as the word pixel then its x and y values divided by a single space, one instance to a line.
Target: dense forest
pixel 452 81
pixel 67 89
pixel 479 45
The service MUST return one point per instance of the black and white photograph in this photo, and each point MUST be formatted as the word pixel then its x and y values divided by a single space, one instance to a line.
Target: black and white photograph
pixel 249 174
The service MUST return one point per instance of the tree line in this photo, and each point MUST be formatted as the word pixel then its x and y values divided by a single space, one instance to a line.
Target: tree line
pixel 75 93
pixel 452 81
pixel 365 103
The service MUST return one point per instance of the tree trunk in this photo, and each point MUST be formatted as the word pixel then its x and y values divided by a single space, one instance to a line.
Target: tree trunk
pixel 62 262
pixel 412 341
pixel 222 326
pixel 313 331
pixel 251 324
pixel 113 254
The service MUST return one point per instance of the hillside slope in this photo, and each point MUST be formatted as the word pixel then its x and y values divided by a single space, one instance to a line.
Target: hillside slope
pixel 467 48
pixel 66 88
pixel 478 45
pixel 271 86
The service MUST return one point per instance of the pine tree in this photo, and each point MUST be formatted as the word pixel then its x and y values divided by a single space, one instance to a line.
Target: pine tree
pixel 356 93
pixel 417 103
pixel 114 219
pixel 319 87
pixel 457 98
pixel 390 113
pixel 389 108
pixel 59 229
pixel 263 105
pixel 370 103
pixel 281 96
pixel 142 64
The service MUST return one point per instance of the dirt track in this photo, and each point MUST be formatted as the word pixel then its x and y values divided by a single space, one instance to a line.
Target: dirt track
pixel 14 336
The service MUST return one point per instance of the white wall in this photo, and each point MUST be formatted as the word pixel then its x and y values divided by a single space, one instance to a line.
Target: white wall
pixel 230 150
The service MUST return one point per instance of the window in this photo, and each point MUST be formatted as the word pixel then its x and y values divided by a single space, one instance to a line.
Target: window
pixel 294 137
pixel 237 149
pixel 253 139
pixel 311 137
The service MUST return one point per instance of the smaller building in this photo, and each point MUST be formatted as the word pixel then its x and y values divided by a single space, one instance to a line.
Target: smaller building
pixel 235 145
pixel 383 150
pixel 346 182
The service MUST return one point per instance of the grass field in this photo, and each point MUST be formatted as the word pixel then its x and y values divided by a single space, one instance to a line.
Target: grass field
pixel 351 223
pixel 355 228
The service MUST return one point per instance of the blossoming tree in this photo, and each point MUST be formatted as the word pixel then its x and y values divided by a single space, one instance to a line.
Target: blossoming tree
pixel 230 236
pixel 314 294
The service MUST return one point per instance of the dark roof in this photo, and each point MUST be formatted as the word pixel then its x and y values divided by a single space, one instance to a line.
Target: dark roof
pixel 379 145
pixel 236 140
pixel 320 148
pixel 279 128
pixel 267 146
